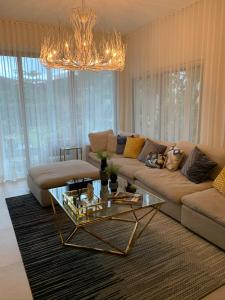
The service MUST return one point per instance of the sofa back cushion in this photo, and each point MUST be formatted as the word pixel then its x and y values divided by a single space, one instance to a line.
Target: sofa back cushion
pixel 111 143
pixel 99 140
pixel 187 147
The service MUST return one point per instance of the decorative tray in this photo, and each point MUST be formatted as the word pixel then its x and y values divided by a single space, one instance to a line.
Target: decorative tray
pixel 81 203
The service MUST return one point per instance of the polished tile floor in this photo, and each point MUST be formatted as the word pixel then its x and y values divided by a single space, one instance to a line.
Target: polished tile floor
pixel 13 280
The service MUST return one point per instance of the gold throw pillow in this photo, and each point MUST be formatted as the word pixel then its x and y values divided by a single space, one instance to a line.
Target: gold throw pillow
pixel 133 147
pixel 219 182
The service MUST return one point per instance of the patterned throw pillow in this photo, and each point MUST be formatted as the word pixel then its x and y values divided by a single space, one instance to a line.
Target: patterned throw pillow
pixel 155 160
pixel 133 147
pixel 219 182
pixel 150 147
pixel 174 158
pixel 197 166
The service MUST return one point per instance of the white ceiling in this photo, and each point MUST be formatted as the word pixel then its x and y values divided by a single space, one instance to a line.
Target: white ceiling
pixel 123 15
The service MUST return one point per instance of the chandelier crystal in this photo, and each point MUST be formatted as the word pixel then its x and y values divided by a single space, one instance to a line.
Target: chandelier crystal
pixel 78 50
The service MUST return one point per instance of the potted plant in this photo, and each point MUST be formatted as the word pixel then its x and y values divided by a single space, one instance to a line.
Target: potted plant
pixel 103 156
pixel 112 171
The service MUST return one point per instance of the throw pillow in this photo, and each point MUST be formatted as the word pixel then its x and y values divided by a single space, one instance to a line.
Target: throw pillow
pixel 111 143
pixel 199 170
pixel 150 147
pixel 121 142
pixel 194 155
pixel 155 160
pixel 98 140
pixel 219 182
pixel 197 166
pixel 133 147
pixel 174 158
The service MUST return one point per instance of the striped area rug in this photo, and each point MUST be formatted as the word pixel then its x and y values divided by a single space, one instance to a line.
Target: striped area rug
pixel 168 261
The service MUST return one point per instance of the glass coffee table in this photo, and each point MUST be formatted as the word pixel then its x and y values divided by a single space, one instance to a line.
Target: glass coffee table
pixel 104 211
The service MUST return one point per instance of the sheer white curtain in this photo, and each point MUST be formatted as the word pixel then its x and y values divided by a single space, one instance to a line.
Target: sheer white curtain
pixel 174 77
pixel 42 109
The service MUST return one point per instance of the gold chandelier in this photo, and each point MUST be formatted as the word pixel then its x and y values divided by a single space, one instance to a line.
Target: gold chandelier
pixel 77 50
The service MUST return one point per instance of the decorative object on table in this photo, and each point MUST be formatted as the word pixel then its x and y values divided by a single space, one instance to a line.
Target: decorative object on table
pixel 77 49
pixel 75 184
pixel 104 192
pixel 103 156
pixel 90 191
pixel 113 171
pixel 126 198
pixel 156 160
pixel 174 158
pixel 130 188
pixel 77 151
pixel 80 202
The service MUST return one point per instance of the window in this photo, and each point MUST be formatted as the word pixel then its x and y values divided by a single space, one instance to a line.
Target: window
pixel 43 109
pixel 166 105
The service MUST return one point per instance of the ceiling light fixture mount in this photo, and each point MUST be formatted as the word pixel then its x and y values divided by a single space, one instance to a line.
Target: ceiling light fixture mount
pixel 78 50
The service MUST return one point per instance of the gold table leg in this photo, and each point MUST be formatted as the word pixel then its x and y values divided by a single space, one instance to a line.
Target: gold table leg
pixel 57 221
pixel 134 236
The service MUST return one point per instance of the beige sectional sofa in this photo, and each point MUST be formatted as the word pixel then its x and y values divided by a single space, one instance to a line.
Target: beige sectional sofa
pixel 199 207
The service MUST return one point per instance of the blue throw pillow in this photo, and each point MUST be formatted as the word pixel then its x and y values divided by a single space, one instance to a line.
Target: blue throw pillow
pixel 121 143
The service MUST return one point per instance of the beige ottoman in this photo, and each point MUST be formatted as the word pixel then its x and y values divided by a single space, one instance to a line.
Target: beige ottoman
pixel 45 177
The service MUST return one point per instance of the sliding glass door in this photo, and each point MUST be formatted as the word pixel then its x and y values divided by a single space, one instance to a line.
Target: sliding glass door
pixel 42 110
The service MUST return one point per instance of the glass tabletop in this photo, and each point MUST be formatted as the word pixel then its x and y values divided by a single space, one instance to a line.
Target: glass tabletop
pixel 105 209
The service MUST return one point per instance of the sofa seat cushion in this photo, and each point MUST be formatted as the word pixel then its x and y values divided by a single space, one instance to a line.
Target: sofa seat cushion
pixel 128 166
pixel 171 185
pixel 56 174
pixel 209 203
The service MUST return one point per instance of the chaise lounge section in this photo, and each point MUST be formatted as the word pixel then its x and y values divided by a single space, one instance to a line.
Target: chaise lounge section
pixel 204 213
